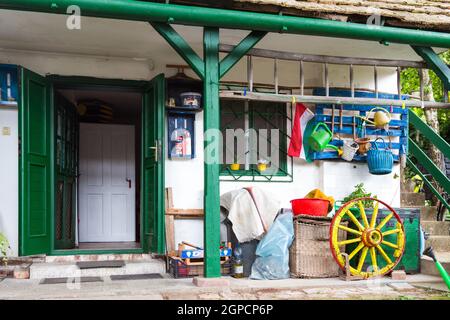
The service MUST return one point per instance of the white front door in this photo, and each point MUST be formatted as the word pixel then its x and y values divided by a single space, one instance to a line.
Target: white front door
pixel 107 183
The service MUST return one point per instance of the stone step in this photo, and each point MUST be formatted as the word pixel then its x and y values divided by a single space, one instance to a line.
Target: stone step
pixel 439 243
pixel 427 265
pixel 436 228
pixel 70 269
pixel 411 199
pixel 102 257
pixel 428 213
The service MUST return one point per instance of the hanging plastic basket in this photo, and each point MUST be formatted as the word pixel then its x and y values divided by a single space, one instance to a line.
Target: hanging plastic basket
pixel 380 161
pixel 349 151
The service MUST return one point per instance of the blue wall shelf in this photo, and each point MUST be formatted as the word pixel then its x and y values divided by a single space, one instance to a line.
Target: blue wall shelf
pixel 398 127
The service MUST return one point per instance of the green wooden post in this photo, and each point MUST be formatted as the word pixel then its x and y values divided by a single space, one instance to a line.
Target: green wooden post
pixel 211 121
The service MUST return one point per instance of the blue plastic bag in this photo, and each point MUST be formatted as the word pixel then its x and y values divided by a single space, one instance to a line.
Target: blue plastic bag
pixel 272 252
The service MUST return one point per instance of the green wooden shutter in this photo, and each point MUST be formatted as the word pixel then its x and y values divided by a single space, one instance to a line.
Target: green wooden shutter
pixel 35 164
pixel 153 165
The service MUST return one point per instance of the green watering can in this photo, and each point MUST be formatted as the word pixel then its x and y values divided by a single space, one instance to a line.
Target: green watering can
pixel 319 139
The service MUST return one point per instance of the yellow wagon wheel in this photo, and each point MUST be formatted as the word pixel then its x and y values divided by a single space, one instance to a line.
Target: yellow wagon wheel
pixel 369 237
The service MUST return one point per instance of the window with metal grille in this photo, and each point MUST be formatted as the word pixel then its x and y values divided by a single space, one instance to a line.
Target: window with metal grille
pixel 265 126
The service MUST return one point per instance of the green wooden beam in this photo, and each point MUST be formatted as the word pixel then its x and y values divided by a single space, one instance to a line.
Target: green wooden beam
pixel 240 50
pixel 181 47
pixel 211 123
pixel 429 133
pixel 435 63
pixel 431 168
pixel 427 182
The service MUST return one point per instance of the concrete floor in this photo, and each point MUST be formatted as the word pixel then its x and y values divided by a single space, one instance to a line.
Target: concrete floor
pixel 239 289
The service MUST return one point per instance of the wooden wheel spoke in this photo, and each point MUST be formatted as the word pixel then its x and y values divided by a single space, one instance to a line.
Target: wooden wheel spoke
pixel 389 232
pixel 355 221
pixel 362 258
pixel 373 220
pixel 342 243
pixel 390 244
pixel 350 230
pixel 385 220
pixel 363 214
pixel 384 255
pixel 354 252
pixel 373 257
pixel 376 241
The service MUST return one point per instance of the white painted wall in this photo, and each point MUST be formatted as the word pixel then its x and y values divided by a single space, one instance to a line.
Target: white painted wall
pixel 9 181
pixel 186 177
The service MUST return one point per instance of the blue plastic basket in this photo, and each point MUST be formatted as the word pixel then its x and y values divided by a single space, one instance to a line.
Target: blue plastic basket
pixel 380 161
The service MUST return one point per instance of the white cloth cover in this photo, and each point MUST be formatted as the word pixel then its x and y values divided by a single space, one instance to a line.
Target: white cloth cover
pixel 244 216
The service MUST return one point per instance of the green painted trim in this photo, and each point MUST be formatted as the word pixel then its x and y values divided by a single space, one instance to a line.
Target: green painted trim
pixel 233 19
pixel 181 47
pixel 70 252
pixel 426 162
pixel 211 121
pixel 240 50
pixel 428 183
pixel 429 133
pixel 435 63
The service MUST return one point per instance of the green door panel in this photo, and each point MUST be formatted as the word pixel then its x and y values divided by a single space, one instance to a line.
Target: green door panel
pixel 35 164
pixel 66 160
pixel 153 165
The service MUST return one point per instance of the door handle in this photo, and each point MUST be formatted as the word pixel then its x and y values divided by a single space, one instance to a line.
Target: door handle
pixel 129 183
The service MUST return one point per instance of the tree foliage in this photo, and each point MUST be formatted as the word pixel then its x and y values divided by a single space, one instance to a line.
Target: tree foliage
pixel 410 82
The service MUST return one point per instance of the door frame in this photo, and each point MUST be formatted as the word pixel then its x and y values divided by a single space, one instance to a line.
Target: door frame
pixel 80 82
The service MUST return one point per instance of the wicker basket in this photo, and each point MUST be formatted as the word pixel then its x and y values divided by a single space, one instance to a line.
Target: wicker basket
pixel 310 254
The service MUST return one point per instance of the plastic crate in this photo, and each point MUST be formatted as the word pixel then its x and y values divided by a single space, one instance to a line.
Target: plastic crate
pixel 179 269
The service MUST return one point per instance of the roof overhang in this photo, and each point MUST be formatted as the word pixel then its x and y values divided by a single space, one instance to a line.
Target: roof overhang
pixel 232 19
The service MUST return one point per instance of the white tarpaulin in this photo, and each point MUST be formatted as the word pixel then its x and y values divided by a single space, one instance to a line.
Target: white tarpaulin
pixel 248 224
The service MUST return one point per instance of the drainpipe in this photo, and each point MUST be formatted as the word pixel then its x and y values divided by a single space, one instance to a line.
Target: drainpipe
pixel 232 19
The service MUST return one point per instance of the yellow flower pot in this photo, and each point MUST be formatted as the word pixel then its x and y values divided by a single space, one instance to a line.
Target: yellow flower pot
pixel 262 167
pixel 235 166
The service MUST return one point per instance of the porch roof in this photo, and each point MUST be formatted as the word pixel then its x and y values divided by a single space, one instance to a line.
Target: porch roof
pixel 425 14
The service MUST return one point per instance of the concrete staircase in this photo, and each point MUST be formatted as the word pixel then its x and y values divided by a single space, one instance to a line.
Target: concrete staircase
pixel 66 267
pixel 438 231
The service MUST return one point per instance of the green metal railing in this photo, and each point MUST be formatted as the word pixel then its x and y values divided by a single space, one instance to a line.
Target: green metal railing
pixel 415 151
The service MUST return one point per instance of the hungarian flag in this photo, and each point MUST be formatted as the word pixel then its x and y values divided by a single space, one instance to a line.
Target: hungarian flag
pixel 298 146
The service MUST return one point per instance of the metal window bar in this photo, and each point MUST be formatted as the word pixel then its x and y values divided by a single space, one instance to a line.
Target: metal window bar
pixel 275 74
pixel 251 174
pixel 352 82
pixel 375 75
pixel 250 73
pixel 302 79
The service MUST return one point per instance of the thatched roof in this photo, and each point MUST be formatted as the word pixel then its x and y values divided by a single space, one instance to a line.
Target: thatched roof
pixel 423 14
pixel 429 14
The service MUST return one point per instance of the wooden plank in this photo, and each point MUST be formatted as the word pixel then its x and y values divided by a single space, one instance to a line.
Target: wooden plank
pixel 170 233
pixel 291 56
pixel 169 198
pixel 185 212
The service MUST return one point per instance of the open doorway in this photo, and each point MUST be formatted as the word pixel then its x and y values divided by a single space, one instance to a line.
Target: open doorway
pixel 97 163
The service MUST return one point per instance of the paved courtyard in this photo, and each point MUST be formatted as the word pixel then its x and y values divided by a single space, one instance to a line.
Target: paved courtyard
pixel 415 287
